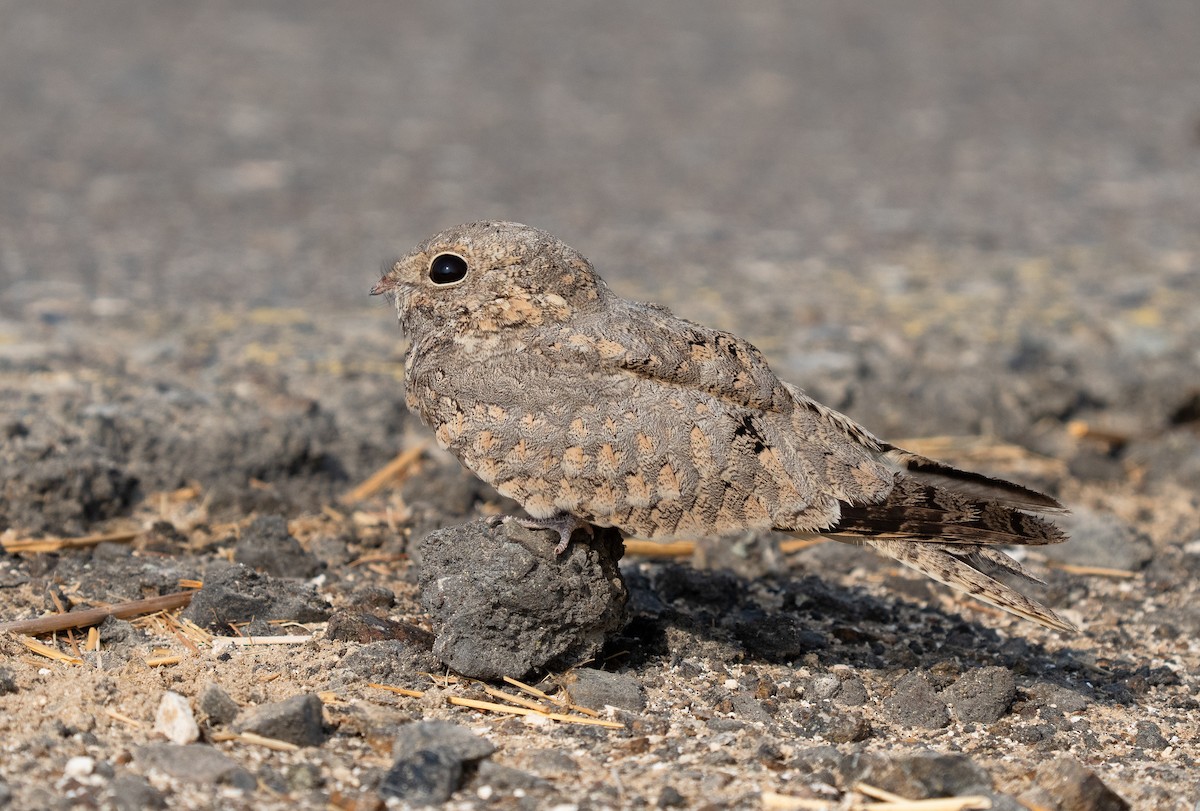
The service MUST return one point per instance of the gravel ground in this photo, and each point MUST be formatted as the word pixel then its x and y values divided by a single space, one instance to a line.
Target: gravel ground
pixel 968 225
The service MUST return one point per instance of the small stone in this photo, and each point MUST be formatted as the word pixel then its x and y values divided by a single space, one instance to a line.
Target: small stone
pixel 215 703
pixel 853 692
pixel 8 681
pixel 596 689
pixel 915 703
pixel 982 695
pixel 267 546
pixel 174 719
pixel 132 792
pixel 239 594
pixel 297 720
pixel 423 778
pixel 79 768
pixel 921 775
pixel 1149 736
pixel 5 794
pixel 1074 787
pixel 195 763
pixel 670 797
pixel 444 736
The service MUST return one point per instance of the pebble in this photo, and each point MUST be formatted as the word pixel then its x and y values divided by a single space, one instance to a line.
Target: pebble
pixel 423 778
pixel 982 695
pixel 174 719
pixel 441 735
pixel 919 775
pixel 194 763
pixel 519 607
pixel 596 689
pixel 1074 787
pixel 915 703
pixel 429 759
pixel 8 681
pixel 297 720
pixel 132 792
pixel 215 703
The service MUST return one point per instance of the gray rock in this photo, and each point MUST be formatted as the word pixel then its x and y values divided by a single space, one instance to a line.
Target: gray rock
pixel 1074 787
pixel 1064 699
pixel 194 763
pixel 217 705
pixel 516 607
pixel 456 741
pixel 132 792
pixel 8 681
pixel 852 693
pixel 265 545
pixel 834 725
pixel 297 720
pixel 915 703
pixel 1101 539
pixel 6 795
pixel 596 689
pixel 237 593
pixel 670 797
pixel 423 778
pixel 920 775
pixel 1149 736
pixel 982 695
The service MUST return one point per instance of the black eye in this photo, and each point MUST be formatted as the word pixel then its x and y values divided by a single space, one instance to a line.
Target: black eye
pixel 447 268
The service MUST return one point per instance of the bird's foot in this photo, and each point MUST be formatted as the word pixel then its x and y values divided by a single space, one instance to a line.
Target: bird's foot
pixel 563 523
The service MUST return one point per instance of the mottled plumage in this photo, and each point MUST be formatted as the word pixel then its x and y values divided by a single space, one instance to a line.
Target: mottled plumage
pixel 587 408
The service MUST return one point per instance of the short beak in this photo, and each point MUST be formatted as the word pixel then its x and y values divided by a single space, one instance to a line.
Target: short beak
pixel 385 285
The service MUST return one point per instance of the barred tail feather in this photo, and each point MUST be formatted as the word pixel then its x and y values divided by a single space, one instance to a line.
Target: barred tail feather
pixel 939 474
pixel 952 536
pixel 942 564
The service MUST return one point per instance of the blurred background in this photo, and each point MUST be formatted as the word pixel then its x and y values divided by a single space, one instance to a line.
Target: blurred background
pixel 950 186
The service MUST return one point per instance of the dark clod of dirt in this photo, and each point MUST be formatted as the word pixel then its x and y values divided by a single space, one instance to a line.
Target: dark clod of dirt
pixel 194 763
pixel 296 720
pixel 8 682
pixel 56 481
pixel 240 594
pixel 430 759
pixel 597 689
pixel 5 794
pixel 362 626
pixel 220 708
pixel 1074 787
pixel 265 545
pixel 982 695
pixel 916 703
pixel 505 605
